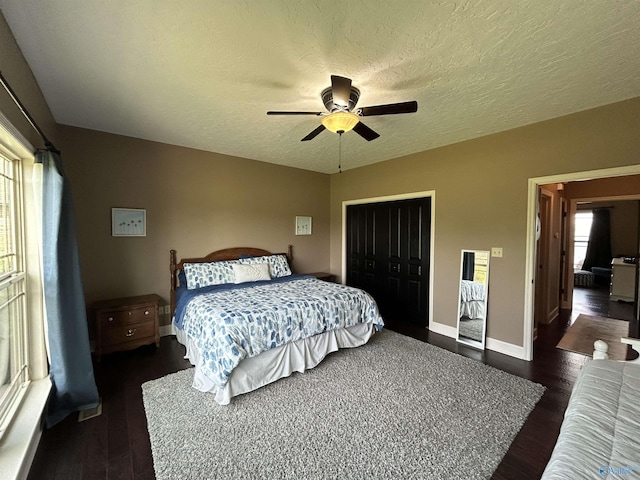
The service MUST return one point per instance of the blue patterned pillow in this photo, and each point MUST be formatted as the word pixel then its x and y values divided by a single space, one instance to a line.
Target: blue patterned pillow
pixel 277 264
pixel 204 274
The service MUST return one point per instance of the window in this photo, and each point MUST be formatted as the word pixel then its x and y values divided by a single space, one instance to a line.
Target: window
pixel 13 329
pixel 581 237
pixel 24 373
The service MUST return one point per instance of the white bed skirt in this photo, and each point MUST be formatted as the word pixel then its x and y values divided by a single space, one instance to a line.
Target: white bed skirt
pixel 280 362
pixel 473 309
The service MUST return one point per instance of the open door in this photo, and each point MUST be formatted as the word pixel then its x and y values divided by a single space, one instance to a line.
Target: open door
pixel 542 254
pixel 548 259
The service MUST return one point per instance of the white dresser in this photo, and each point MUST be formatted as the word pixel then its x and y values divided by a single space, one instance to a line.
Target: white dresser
pixel 623 280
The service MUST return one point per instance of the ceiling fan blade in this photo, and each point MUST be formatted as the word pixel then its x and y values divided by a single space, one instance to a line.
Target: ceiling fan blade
pixel 313 134
pixel 392 108
pixel 365 132
pixel 294 113
pixel 340 90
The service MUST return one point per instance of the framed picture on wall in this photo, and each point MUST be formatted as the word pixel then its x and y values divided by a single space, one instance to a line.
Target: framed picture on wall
pixel 303 225
pixel 128 222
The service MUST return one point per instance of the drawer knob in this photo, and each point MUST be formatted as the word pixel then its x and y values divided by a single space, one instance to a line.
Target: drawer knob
pixel 146 312
pixel 129 313
pixel 130 332
pixel 111 319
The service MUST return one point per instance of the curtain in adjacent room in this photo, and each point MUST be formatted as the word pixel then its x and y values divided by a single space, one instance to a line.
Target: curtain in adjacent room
pixel 599 247
pixel 468 262
pixel 71 370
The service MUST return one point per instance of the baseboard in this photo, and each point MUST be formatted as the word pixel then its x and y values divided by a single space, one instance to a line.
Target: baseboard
pixel 505 348
pixel 491 343
pixel 442 329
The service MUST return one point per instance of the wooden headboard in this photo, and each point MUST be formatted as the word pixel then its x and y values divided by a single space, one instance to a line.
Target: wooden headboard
pixel 225 254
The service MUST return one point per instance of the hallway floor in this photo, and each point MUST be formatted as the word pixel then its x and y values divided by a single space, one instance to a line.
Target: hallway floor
pixel 595 301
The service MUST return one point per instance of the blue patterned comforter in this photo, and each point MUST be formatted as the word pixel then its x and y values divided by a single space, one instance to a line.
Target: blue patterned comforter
pixel 229 324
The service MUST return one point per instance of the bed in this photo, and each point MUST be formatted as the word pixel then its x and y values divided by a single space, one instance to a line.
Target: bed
pixel 246 320
pixel 599 433
pixel 472 300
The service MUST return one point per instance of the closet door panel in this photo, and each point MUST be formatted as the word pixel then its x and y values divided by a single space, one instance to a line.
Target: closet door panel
pixel 388 256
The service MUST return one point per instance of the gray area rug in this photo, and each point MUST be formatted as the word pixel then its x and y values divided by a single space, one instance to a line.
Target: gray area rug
pixel 394 408
pixel 471 328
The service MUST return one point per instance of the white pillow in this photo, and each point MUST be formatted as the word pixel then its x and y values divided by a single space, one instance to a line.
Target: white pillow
pixel 251 273
pixel 278 263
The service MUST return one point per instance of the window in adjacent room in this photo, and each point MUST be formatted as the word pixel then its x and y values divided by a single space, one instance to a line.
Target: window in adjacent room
pixel 581 237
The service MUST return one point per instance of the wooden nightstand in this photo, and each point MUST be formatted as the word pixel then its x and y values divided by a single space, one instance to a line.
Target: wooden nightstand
pixel 126 323
pixel 327 277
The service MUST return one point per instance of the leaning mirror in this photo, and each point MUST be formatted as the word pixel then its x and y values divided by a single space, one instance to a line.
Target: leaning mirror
pixel 474 287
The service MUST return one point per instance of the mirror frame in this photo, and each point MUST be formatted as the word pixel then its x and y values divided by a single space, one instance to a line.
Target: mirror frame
pixel 465 340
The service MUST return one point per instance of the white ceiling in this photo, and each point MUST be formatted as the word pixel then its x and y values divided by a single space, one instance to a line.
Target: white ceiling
pixel 203 74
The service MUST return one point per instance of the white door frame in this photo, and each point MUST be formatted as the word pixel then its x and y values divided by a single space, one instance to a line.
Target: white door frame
pixel 530 251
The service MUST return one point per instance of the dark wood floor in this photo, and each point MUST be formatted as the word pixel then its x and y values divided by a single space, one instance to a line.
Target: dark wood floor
pixel 595 301
pixel 116 444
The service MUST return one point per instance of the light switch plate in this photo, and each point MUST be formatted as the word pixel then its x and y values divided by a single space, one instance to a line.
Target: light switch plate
pixel 496 251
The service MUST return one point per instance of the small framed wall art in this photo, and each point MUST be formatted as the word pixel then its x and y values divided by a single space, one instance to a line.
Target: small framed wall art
pixel 303 225
pixel 128 222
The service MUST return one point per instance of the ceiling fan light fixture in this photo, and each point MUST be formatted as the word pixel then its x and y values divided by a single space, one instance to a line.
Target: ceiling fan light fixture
pixel 340 121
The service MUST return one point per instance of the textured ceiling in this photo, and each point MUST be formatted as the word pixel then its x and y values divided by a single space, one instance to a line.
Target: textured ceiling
pixel 203 74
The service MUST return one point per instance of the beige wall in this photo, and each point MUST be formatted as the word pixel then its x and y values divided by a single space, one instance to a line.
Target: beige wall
pixel 605 187
pixel 481 198
pixel 624 228
pixel 196 202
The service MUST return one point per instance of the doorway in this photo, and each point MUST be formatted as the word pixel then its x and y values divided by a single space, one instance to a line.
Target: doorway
pixel 605 289
pixel 531 267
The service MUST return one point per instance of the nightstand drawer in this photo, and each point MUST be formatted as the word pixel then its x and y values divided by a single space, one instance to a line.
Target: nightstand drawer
pixel 116 334
pixel 127 317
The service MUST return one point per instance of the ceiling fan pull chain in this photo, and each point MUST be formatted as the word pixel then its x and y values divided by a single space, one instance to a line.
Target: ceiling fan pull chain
pixel 340 152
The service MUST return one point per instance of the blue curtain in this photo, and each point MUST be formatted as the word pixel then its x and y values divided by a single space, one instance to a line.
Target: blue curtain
pixel 71 370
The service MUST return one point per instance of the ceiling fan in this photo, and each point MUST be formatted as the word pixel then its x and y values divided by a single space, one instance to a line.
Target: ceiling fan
pixel 340 100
